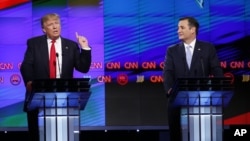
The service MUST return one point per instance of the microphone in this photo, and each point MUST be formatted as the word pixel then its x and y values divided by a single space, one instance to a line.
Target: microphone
pixel 202 67
pixel 57 57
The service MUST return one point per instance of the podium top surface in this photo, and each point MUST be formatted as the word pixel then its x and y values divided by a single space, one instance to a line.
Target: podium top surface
pixel 59 93
pixel 61 85
pixel 203 91
pixel 204 84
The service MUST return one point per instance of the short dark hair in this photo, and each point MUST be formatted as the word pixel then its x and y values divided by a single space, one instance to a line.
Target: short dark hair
pixel 192 22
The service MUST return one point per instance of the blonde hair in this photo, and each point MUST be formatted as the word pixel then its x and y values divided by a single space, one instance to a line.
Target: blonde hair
pixel 49 16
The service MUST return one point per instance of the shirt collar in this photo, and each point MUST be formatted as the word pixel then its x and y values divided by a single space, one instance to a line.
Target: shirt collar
pixel 192 44
pixel 49 40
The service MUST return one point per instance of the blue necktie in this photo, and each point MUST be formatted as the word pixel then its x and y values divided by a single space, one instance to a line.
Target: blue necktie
pixel 188 55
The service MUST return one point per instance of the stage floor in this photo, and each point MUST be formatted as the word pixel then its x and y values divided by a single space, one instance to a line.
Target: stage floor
pixel 113 135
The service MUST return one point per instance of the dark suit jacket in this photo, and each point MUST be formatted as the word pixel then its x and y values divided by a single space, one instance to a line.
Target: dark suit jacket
pixel 36 59
pixel 204 63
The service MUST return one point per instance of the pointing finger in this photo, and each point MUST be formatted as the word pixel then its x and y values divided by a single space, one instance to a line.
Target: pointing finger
pixel 77 35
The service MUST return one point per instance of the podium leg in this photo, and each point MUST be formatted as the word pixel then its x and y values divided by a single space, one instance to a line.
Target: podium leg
pixel 202 123
pixel 59 124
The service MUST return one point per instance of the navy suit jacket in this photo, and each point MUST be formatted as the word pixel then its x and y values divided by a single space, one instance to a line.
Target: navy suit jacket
pixel 36 59
pixel 204 63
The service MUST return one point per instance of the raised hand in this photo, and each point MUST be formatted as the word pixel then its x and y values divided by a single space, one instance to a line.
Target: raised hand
pixel 82 41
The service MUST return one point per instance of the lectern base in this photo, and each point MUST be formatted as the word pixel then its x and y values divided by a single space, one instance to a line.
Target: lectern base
pixel 202 123
pixel 59 124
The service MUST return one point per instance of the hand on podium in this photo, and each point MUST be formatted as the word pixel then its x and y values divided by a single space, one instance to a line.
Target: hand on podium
pixel 29 86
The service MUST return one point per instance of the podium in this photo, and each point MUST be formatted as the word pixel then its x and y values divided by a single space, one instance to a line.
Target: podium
pixel 59 102
pixel 202 101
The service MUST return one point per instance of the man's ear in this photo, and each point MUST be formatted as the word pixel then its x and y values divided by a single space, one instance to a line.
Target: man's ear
pixel 44 31
pixel 193 29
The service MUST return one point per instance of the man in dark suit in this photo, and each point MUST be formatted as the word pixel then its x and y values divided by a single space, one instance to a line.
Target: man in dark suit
pixel 37 57
pixel 203 63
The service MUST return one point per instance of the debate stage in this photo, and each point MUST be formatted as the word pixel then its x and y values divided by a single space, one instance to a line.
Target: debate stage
pixel 114 135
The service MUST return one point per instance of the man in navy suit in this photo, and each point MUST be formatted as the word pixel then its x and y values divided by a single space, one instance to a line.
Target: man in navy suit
pixel 35 65
pixel 203 63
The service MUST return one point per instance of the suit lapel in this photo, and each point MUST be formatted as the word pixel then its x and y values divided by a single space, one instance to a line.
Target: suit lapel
pixel 64 54
pixel 182 51
pixel 196 54
pixel 182 54
pixel 44 51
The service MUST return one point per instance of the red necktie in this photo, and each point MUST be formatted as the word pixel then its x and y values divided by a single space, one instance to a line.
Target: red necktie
pixel 52 60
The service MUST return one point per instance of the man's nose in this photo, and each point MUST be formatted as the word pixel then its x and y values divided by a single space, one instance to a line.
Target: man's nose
pixel 54 26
